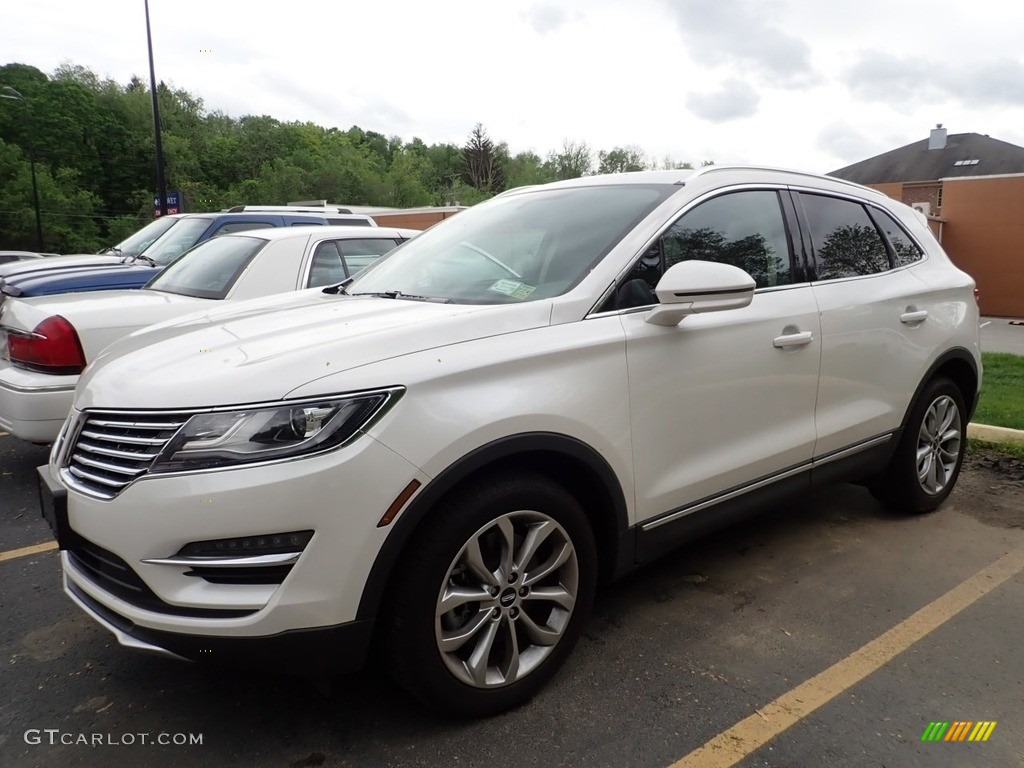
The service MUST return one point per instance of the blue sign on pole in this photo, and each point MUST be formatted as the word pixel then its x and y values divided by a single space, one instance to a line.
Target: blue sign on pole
pixel 173 203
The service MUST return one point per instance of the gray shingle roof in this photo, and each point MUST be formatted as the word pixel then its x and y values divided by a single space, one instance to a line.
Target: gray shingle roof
pixel 915 162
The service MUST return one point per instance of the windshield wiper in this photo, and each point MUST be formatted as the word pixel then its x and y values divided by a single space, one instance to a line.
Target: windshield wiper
pixel 109 249
pixel 148 259
pixel 400 295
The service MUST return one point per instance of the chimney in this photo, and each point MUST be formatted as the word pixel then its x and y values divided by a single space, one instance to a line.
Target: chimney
pixel 937 139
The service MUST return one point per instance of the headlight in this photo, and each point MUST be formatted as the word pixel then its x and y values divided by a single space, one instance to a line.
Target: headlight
pixel 267 433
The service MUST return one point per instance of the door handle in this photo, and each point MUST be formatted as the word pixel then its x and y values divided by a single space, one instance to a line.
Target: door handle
pixel 914 316
pixel 793 339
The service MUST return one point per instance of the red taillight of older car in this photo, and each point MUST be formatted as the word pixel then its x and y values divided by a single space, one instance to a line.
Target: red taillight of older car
pixel 51 347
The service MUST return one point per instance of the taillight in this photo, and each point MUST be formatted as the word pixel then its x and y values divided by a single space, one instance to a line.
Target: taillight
pixel 51 347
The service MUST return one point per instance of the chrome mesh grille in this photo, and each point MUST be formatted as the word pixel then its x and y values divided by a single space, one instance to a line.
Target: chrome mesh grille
pixel 110 450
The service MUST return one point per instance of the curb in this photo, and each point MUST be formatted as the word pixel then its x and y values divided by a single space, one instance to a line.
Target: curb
pixel 995 434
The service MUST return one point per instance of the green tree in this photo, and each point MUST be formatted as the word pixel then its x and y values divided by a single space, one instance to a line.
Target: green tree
pixel 68 211
pixel 573 160
pixel 95 156
pixel 668 163
pixel 621 160
pixel 402 186
pixel 527 168
pixel 481 167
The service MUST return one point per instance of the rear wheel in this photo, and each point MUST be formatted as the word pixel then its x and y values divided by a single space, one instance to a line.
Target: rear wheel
pixel 493 597
pixel 927 461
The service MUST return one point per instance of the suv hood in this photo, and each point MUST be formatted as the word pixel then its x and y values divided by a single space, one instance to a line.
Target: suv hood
pixel 252 352
pixel 86 277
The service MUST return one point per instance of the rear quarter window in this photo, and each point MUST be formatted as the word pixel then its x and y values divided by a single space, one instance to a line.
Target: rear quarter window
pixel 904 250
pixel 846 241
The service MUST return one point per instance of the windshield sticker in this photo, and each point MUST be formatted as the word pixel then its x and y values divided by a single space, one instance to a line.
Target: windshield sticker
pixel 512 288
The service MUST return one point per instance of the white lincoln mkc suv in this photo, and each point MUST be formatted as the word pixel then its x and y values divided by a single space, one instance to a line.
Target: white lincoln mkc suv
pixel 440 460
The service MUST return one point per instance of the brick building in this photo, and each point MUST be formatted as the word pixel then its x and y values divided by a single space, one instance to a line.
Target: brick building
pixel 971 187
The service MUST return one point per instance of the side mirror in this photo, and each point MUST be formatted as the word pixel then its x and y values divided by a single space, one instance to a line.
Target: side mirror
pixel 692 287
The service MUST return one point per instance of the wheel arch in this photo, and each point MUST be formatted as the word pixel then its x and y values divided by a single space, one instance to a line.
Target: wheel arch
pixel 960 366
pixel 567 461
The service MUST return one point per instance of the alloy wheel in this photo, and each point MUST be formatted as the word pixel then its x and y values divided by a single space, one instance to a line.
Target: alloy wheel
pixel 506 599
pixel 938 445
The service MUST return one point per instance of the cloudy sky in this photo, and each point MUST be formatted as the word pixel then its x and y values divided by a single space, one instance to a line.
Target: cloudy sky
pixel 797 83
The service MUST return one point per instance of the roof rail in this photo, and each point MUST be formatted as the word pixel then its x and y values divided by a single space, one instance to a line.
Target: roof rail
pixel 289 208
pixel 704 170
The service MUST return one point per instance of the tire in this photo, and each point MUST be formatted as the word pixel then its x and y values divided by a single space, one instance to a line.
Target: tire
pixel 472 629
pixel 927 460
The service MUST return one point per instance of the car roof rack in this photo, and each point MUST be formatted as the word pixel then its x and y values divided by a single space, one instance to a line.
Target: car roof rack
pixel 290 208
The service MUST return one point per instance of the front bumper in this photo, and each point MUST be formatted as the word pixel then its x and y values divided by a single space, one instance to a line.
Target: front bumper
pixel 321 650
pixel 340 496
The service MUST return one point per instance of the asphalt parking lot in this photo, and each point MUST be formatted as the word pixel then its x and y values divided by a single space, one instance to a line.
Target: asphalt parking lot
pixel 825 633
pixel 1002 334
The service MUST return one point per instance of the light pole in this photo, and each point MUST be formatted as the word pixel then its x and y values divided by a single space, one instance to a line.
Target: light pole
pixel 9 93
pixel 161 185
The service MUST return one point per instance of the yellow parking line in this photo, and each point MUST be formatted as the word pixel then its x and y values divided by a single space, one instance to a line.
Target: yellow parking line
pixel 35 549
pixel 729 747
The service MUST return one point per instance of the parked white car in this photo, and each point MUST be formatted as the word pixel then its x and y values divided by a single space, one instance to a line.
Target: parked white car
pixel 46 341
pixel 548 390
pixel 10 257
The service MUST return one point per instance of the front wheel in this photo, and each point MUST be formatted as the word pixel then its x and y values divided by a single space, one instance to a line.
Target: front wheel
pixel 927 461
pixel 493 596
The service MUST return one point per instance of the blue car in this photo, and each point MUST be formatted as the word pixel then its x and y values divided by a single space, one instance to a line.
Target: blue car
pixel 90 277
pixel 140 258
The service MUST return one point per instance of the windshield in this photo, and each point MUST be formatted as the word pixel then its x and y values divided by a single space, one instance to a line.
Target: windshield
pixel 145 237
pixel 176 241
pixel 512 249
pixel 210 269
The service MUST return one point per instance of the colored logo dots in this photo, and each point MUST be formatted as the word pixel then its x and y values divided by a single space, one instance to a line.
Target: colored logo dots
pixel 959 730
